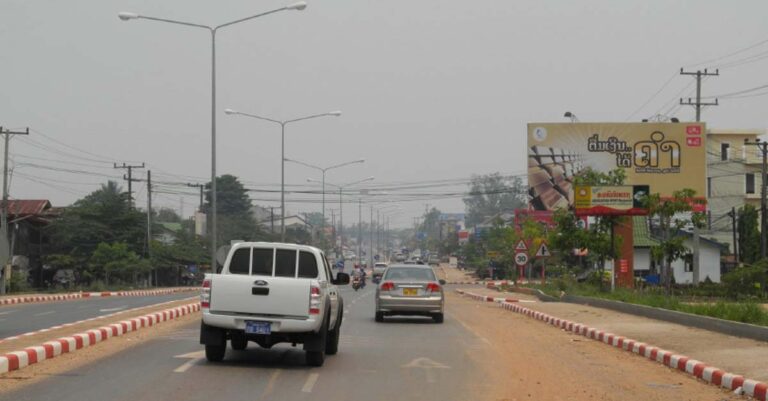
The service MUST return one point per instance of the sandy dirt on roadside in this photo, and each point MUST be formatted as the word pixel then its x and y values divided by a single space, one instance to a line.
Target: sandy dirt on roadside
pixel 529 360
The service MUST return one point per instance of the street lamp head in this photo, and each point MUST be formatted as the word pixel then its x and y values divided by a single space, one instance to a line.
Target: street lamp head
pixel 335 113
pixel 312 180
pixel 297 6
pixel 125 16
pixel 229 111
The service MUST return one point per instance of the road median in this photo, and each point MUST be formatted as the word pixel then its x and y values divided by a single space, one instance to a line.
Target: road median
pixel 15 360
pixel 79 295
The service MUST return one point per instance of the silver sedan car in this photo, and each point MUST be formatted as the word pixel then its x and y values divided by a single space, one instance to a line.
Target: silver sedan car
pixel 410 290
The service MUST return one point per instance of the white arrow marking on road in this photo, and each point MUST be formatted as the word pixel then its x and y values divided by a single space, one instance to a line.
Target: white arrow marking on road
pixel 193 358
pixel 113 309
pixel 426 364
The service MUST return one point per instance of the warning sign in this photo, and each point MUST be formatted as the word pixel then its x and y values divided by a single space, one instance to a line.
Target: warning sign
pixel 543 251
pixel 521 246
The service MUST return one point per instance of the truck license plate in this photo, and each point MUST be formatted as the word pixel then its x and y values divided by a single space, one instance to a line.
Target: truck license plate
pixel 254 327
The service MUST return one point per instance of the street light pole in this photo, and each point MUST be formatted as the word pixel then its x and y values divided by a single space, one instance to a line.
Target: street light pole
pixel 324 170
pixel 763 146
pixel 282 158
pixel 127 16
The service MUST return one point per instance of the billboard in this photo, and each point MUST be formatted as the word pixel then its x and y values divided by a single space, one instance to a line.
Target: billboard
pixel 665 156
pixel 619 200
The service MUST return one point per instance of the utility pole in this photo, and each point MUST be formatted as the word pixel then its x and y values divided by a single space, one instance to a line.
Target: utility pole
pixel 201 187
pixel 697 104
pixel 360 230
pixel 130 171
pixel 732 214
pixel 272 219
pixel 370 256
pixel 5 248
pixel 149 221
pixel 333 233
pixel 763 146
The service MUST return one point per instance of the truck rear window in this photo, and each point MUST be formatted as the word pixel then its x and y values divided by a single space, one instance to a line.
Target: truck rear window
pixel 307 265
pixel 240 261
pixel 285 264
pixel 262 262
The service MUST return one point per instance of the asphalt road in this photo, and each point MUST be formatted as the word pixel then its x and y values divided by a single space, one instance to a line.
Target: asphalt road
pixel 23 318
pixel 401 359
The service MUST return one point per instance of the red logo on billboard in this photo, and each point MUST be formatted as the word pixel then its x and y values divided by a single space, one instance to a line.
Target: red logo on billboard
pixel 693 141
pixel 693 130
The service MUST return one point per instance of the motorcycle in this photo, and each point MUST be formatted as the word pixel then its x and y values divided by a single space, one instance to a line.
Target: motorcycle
pixel 356 282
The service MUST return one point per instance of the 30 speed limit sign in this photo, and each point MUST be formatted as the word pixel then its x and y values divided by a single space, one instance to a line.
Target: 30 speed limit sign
pixel 521 258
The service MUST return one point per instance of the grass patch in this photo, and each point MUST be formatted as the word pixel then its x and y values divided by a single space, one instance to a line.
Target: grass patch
pixel 744 312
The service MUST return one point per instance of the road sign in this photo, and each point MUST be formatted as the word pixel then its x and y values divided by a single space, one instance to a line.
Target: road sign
pixel 543 251
pixel 521 246
pixel 521 258
pixel 492 254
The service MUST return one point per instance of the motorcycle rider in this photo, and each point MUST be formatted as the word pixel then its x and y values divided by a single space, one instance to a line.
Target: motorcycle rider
pixel 360 274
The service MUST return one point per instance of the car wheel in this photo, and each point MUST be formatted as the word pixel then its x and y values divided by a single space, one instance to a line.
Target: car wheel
pixel 438 317
pixel 215 353
pixel 239 342
pixel 379 317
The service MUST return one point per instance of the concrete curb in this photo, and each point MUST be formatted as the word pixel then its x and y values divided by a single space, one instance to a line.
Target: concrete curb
pixel 20 359
pixel 77 295
pixel 712 375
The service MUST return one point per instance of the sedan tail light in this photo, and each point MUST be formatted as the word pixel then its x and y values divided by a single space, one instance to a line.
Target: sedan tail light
pixel 387 286
pixel 433 287
pixel 205 296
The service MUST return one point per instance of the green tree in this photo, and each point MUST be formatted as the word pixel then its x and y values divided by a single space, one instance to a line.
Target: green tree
pixel 234 218
pixel 116 263
pixel 668 213
pixel 491 194
pixel 167 215
pixel 104 216
pixel 749 234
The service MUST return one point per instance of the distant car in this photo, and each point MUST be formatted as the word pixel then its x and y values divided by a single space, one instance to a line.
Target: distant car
pixel 378 271
pixel 410 290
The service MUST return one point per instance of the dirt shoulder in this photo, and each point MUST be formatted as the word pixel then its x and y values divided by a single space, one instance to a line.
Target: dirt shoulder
pixel 38 338
pixel 529 360
pixel 733 354
pixel 452 274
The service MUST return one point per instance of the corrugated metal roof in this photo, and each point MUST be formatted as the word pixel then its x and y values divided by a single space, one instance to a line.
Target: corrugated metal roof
pixel 26 207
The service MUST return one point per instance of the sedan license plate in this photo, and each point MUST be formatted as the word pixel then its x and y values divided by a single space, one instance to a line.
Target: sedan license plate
pixel 409 292
pixel 253 327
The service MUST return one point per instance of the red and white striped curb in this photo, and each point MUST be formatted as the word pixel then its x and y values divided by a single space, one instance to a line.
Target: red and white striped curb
pixel 712 375
pixel 464 282
pixel 31 333
pixel 76 295
pixel 20 359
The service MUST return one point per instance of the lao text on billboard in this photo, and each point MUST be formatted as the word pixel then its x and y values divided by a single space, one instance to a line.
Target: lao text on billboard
pixel 667 156
pixel 610 200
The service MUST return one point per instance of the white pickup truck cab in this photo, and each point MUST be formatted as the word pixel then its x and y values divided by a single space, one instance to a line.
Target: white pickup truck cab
pixel 271 293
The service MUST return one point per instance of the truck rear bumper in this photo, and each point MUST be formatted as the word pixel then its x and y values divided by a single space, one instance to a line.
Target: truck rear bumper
pixel 229 322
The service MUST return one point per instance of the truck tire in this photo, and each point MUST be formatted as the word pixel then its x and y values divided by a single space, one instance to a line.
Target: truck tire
pixel 215 353
pixel 332 342
pixel 238 341
pixel 316 357
pixel 379 317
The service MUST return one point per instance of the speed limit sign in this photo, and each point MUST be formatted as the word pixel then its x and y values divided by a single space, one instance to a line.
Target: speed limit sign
pixel 521 258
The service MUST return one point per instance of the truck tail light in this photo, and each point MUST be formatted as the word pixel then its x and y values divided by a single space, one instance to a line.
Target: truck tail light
pixel 433 287
pixel 314 299
pixel 205 295
pixel 387 286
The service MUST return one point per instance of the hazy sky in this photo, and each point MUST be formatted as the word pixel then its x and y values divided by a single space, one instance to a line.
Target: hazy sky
pixel 431 91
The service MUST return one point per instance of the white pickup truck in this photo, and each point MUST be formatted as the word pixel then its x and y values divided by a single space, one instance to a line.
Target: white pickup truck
pixel 271 293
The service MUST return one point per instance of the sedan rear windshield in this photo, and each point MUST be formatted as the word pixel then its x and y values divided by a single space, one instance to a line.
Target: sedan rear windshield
pixel 409 273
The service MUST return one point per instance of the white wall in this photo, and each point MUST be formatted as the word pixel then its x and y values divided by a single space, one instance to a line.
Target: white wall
pixel 709 263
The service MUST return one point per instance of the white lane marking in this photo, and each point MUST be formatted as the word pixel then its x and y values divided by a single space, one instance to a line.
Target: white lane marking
pixel 113 309
pixel 193 357
pixel 270 385
pixel 471 330
pixel 311 380
pixel 8 311
pixel 45 313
